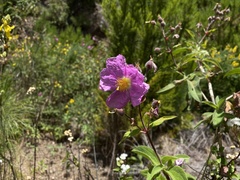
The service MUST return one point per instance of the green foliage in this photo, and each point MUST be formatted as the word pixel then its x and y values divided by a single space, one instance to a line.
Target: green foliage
pixel 64 70
pixel 163 169
pixel 126 30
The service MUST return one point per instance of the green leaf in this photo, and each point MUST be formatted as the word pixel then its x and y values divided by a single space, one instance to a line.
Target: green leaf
pixel 179 50
pixel 206 116
pixel 209 103
pixel 130 133
pixel 167 88
pixel 161 120
pixel 177 173
pixel 217 118
pixel 194 89
pixel 213 61
pixel 184 156
pixel 165 159
pixel 190 177
pixel 189 58
pixel 220 102
pixel 190 33
pixel 155 171
pixel 161 177
pixel 232 72
pixel 148 153
pixel 144 172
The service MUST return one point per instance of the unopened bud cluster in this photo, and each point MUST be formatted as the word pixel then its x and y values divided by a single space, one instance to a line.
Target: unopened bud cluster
pixel 220 15
pixel 154 110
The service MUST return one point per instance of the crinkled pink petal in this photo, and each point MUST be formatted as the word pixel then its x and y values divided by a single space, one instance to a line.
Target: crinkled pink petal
pixel 112 72
pixel 107 80
pixel 132 72
pixel 119 60
pixel 137 92
pixel 116 65
pixel 118 99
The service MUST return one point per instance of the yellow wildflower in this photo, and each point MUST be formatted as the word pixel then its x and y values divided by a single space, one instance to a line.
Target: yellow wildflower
pixel 71 101
pixel 5 27
pixel 57 85
pixel 234 49
pixel 235 64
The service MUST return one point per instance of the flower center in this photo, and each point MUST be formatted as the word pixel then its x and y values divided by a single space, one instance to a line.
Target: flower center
pixel 123 84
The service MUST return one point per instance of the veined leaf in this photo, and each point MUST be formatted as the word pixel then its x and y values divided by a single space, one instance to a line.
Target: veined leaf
pixel 167 87
pixel 177 173
pixel 190 33
pixel 220 102
pixel 189 58
pixel 161 177
pixel 155 171
pixel 194 89
pixel 209 103
pixel 161 120
pixel 232 72
pixel 130 133
pixel 213 61
pixel 206 116
pixel 217 118
pixel 179 50
pixel 148 153
pixel 165 159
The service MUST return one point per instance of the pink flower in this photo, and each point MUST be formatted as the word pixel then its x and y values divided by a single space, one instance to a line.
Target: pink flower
pixel 125 81
pixel 90 47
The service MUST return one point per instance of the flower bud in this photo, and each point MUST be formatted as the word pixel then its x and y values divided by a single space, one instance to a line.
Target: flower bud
pixel 155 103
pixel 119 111
pixel 217 6
pixel 227 19
pixel 227 10
pixel 160 19
pixel 157 49
pixel 154 111
pixel 176 36
pixel 153 22
pixel 163 24
pixel 178 26
pixel 179 161
pixel 172 29
pixel 220 13
pixel 151 65
pixel 210 18
pixel 199 25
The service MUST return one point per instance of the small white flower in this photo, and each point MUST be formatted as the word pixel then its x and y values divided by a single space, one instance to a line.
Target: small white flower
pixel 125 168
pixel 123 156
pixel 31 90
pixel 70 139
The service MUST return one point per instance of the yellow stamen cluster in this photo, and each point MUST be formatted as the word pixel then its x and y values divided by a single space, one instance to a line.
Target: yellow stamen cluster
pixel 123 84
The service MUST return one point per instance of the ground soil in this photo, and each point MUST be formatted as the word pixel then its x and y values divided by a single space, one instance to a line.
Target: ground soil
pixel 59 160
